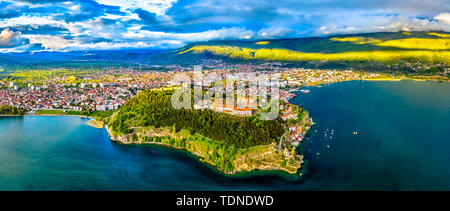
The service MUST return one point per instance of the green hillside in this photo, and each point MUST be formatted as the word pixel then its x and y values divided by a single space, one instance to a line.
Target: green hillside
pixel 230 143
pixel 152 108
pixel 414 51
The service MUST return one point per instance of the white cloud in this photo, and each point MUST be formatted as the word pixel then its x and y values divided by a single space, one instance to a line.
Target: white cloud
pixel 57 43
pixel 366 24
pixel 273 32
pixel 26 20
pixel 155 6
pixel 107 28
pixel 50 42
pixel 107 46
pixel 9 38
pixel 220 34
pixel 131 16
pixel 443 17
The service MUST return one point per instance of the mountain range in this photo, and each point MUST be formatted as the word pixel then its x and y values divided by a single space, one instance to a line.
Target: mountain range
pixel 410 51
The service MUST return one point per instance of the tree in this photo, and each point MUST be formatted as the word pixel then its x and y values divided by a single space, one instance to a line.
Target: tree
pixel 10 110
pixel 153 108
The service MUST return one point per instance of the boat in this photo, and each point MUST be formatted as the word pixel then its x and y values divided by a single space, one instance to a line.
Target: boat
pixel 305 91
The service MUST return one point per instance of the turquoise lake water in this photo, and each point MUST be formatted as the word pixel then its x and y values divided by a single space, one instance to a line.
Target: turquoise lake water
pixel 402 143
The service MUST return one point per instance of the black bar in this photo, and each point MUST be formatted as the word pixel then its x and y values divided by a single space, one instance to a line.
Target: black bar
pixel 162 200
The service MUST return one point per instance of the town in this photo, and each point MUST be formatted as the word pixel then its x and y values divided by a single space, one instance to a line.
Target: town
pixel 107 90
pixel 102 90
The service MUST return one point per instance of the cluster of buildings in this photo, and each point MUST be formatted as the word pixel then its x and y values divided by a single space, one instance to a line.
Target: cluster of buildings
pixel 289 111
pixel 296 131
pixel 59 96
pixel 286 95
pixel 296 134
pixel 108 89
pixel 101 91
pixel 300 76
pixel 419 66
pixel 244 110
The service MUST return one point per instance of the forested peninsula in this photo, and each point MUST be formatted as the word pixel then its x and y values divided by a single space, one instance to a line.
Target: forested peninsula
pixel 230 143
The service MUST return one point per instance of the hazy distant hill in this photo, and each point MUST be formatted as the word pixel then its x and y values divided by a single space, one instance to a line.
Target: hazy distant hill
pixel 48 58
pixel 415 51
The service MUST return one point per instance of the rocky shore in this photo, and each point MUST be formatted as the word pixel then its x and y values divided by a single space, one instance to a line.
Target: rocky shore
pixel 265 157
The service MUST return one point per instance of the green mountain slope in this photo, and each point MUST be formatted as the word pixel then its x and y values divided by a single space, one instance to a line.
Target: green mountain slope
pixel 415 51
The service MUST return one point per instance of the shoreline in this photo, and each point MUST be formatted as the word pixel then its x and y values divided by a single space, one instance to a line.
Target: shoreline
pixel 382 78
pixel 296 88
pixel 49 115
pixel 96 123
pixel 236 174
pixel 90 123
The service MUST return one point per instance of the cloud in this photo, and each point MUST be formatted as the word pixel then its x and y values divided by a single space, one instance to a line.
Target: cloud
pixel 50 42
pixel 31 20
pixel 108 24
pixel 148 17
pixel 7 10
pixel 233 33
pixel 154 6
pixel 389 23
pixel 443 17
pixel 10 38
pixel 274 32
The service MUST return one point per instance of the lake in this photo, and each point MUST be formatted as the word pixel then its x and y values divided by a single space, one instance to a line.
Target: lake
pixel 368 135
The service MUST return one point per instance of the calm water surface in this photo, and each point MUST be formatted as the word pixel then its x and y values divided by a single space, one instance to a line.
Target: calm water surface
pixel 402 143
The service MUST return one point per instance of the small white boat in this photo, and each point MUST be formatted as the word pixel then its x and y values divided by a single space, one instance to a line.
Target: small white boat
pixel 305 91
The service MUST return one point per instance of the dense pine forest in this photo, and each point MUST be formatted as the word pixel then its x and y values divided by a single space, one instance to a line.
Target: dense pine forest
pixel 153 108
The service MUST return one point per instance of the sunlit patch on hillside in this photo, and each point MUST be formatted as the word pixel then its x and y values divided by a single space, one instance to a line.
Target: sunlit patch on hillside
pixel 356 40
pixel 406 33
pixel 289 55
pixel 262 42
pixel 418 43
pixel 439 34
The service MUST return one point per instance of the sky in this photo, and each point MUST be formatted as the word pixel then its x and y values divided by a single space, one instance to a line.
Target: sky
pixel 60 25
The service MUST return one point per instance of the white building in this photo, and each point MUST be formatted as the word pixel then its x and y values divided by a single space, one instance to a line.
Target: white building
pixel 100 108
